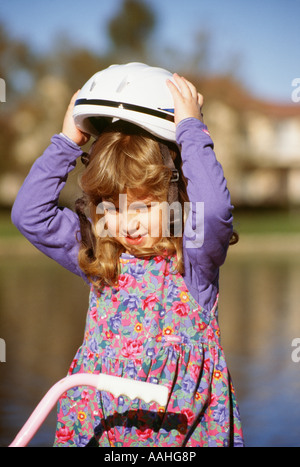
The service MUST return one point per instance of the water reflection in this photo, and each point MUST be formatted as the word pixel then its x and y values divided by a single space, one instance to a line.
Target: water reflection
pixel 259 319
pixel 42 316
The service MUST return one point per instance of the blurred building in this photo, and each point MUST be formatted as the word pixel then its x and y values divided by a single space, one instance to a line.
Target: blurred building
pixel 258 144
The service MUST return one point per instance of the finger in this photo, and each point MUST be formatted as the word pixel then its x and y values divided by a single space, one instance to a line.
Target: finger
pixel 192 88
pixel 182 85
pixel 187 88
pixel 76 94
pixel 200 99
pixel 73 99
pixel 176 94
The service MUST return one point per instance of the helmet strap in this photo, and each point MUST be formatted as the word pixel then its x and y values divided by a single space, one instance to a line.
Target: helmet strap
pixel 173 187
pixel 168 162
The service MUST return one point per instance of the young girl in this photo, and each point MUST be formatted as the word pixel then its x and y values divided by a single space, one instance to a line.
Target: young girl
pixel 153 296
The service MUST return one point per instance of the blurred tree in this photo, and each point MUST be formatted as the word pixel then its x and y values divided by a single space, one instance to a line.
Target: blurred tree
pixel 15 61
pixel 73 64
pixel 131 28
pixel 18 65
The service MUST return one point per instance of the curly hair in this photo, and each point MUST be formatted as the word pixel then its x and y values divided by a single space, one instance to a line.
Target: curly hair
pixel 123 158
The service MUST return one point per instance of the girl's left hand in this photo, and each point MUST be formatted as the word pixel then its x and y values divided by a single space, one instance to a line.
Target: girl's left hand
pixel 69 128
pixel 187 101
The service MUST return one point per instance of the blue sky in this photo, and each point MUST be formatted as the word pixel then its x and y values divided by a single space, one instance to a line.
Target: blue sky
pixel 263 34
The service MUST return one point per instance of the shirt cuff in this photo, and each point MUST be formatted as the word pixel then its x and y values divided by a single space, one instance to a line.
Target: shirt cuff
pixel 70 140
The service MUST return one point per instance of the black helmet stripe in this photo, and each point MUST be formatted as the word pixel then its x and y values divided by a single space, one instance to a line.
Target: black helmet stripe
pixel 123 105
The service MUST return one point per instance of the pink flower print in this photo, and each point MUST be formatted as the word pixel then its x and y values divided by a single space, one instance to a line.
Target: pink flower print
pixel 157 259
pixel 90 354
pixel 195 371
pixel 73 365
pixel 189 415
pixel 213 399
pixel 150 301
pixel 180 308
pixel 158 337
pixel 201 326
pixel 94 313
pixel 144 434
pixel 109 334
pixel 214 354
pixel 64 434
pixel 114 299
pixel 111 437
pixel 210 334
pixel 85 397
pixel 132 348
pixel 125 281
pixel 207 365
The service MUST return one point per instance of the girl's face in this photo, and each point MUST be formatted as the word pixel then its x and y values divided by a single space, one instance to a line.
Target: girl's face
pixel 134 220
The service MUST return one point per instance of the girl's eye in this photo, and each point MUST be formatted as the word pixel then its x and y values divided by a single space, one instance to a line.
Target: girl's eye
pixel 111 210
pixel 142 208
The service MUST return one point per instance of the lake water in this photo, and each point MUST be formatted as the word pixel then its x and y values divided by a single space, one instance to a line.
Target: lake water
pixel 42 317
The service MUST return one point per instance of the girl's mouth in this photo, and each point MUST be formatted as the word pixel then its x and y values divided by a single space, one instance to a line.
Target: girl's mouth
pixel 134 240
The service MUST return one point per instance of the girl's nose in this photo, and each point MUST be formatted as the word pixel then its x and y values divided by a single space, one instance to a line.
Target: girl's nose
pixel 130 225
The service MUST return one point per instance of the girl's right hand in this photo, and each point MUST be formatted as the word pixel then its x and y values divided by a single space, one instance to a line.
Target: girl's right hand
pixel 187 101
pixel 69 128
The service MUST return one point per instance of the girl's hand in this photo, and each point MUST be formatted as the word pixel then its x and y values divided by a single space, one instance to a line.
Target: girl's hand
pixel 187 101
pixel 69 127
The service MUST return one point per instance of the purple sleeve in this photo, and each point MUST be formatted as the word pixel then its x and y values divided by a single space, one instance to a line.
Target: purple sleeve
pixel 53 230
pixel 209 225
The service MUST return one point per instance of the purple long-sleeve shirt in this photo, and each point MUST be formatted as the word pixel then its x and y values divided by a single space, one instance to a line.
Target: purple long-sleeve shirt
pixel 54 230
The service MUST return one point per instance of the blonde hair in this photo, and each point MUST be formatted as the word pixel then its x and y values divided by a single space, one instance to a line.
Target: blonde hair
pixel 124 157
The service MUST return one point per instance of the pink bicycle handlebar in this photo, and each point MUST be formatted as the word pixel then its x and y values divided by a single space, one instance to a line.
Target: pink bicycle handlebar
pixel 113 384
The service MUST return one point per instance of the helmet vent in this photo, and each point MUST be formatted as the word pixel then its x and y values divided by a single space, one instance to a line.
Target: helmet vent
pixel 93 85
pixel 125 81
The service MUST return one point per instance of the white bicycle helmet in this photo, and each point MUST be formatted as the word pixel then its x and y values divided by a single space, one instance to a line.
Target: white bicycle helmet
pixel 134 92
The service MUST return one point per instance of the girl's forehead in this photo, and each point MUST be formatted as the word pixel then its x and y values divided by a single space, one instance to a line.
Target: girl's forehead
pixel 131 196
pixel 138 195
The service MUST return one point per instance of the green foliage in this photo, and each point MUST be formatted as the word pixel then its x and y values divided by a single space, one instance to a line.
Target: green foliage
pixel 132 26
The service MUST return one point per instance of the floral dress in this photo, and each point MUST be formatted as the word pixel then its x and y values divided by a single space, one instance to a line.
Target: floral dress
pixel 150 328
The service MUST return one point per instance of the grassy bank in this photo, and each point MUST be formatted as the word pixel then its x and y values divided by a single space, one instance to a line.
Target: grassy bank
pixel 7 229
pixel 267 222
